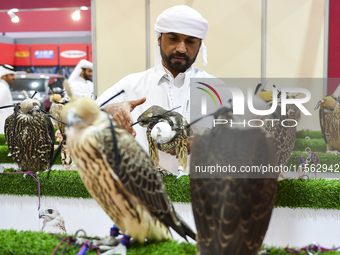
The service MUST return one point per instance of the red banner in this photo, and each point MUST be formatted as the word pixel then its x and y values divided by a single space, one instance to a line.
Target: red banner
pixel 7 53
pixel 22 55
pixel 44 54
pixel 90 52
pixel 334 46
pixel 71 53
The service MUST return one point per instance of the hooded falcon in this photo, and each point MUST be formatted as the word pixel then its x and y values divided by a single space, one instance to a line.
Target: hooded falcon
pixel 119 174
pixel 30 136
pixel 329 115
pixel 284 135
pixel 53 221
pixel 232 209
pixel 56 107
pixel 166 131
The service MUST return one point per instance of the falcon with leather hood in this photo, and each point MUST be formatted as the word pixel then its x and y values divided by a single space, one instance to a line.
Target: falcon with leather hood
pixel 329 115
pixel 166 131
pixel 30 136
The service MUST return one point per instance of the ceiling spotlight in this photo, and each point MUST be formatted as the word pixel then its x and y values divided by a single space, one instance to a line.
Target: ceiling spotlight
pixel 84 8
pixel 14 18
pixel 76 15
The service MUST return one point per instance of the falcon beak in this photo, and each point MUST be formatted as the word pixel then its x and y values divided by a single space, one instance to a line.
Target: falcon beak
pixel 36 108
pixel 159 141
pixel 42 214
pixel 73 119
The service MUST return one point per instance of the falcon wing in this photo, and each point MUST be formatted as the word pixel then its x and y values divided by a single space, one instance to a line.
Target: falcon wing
pixel 232 214
pixel 322 122
pixel 140 177
pixel 50 135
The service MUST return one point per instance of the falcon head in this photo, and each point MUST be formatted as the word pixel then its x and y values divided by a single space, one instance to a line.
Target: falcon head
pixel 79 111
pixel 49 214
pixel 55 97
pixel 328 103
pixel 30 105
pixel 162 133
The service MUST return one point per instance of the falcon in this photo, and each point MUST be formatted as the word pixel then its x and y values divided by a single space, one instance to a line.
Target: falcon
pixel 56 107
pixel 166 131
pixel 30 136
pixel 232 209
pixel 53 222
pixel 284 136
pixel 120 175
pixel 329 115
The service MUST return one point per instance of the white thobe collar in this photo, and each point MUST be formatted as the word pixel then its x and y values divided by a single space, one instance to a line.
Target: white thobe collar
pixel 163 73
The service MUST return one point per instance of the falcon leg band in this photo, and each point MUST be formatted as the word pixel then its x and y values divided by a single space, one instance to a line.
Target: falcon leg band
pixel 125 240
pixel 114 231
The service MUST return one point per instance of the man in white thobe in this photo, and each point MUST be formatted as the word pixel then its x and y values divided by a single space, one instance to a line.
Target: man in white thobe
pixel 180 31
pixel 80 80
pixel 7 77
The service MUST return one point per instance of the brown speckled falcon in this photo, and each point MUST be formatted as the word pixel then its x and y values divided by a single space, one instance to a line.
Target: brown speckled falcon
pixel 232 210
pixel 33 137
pixel 284 136
pixel 57 106
pixel 329 115
pixel 119 174
pixel 166 131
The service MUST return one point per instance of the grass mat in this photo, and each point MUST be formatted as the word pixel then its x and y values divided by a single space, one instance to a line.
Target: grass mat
pixel 292 193
pixel 325 159
pixel 38 243
pixel 314 144
pixel 14 242
pixel 311 134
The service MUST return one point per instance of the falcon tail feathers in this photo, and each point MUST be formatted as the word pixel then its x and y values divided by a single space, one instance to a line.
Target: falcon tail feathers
pixel 184 229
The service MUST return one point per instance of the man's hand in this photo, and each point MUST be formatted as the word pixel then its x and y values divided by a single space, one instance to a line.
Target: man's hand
pixel 173 153
pixel 121 113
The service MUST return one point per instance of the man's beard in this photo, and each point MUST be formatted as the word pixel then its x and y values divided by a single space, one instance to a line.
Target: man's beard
pixel 178 66
pixel 87 78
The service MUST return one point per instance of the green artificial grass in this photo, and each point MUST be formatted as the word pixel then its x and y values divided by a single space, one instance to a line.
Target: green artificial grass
pixel 3 155
pixel 179 191
pixel 315 144
pixel 38 243
pixel 315 193
pixel 5 159
pixel 60 184
pixel 292 193
pixel 325 159
pixel 2 139
pixel 311 134
pixel 14 242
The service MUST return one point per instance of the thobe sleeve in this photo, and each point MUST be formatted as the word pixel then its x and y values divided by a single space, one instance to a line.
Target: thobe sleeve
pixel 114 90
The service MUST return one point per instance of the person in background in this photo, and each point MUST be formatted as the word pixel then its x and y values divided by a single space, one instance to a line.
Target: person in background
pixel 180 31
pixel 7 75
pixel 80 80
